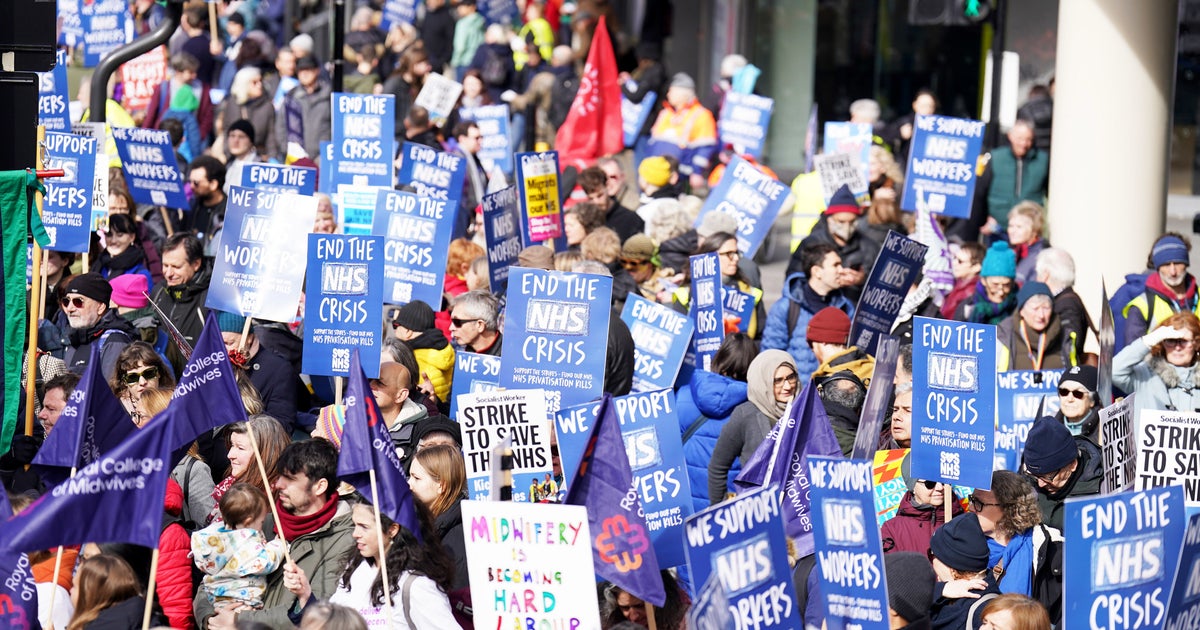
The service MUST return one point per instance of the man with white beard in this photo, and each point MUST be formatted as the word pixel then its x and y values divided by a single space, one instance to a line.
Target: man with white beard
pixel 86 304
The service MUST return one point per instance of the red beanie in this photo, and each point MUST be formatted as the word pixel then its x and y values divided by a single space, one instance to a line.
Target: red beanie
pixel 829 325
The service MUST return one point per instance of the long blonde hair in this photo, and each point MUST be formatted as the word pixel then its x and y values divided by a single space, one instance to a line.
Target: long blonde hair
pixel 445 465
pixel 103 581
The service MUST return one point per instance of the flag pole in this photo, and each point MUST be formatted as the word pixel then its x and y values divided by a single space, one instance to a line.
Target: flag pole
pixel 212 26
pixel 34 315
pixel 58 558
pixel 387 586
pixel 150 589
pixel 262 470
pixel 85 262
pixel 245 331
pixel 650 615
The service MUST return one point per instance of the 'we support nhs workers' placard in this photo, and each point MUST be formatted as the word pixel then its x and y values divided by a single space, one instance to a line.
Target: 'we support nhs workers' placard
pixel 1019 395
pixel 68 206
pixel 941 164
pixel 849 552
pixel 151 171
pixel 537 192
pixel 260 264
pixel 660 340
pixel 396 12
pixel 342 297
pixel 744 122
pixel 706 308
pixel 106 27
pixel 278 178
pixel 741 541
pixel 750 196
pixel 896 266
pixel 431 173
pixel 954 402
pixel 1184 609
pixel 54 112
pixel 495 147
pixel 1121 554
pixel 556 334
pixel 473 373
pixel 417 231
pixel 502 233
pixel 364 129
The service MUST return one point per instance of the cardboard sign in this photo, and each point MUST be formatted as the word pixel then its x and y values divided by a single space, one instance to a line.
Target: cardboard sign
pixel 896 267
pixel 1117 446
pixel 488 418
pixel 660 340
pixel 634 115
pixel 439 95
pixel 260 264
pixel 941 164
pixel 556 334
pixel 278 178
pixel 502 233
pixel 1166 451
pixel 344 290
pixel 1019 396
pixel 54 111
pixel 473 373
pixel 364 129
pixel 532 564
pixel 67 211
pixel 495 145
pixel 141 75
pixel 537 190
pixel 418 232
pixel 148 160
pixel 954 386
pixel 432 173
pixel 853 140
pixel 707 308
pixel 750 196
pixel 744 122
pixel 106 27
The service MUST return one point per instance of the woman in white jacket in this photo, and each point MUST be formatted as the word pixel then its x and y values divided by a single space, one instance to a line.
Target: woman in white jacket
pixel 1161 366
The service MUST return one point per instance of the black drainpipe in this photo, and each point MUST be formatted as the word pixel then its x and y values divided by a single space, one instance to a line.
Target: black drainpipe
pixel 141 45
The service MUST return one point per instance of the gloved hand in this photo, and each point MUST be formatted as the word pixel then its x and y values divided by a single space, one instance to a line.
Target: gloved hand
pixel 1161 334
pixel 508 96
pixel 25 448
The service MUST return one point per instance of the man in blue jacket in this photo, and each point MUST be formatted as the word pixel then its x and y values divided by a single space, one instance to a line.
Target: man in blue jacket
pixel 806 292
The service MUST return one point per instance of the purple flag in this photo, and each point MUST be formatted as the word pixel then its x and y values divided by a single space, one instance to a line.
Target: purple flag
pixel 207 395
pixel 620 538
pixel 92 423
pixel 117 498
pixel 366 445
pixel 18 590
pixel 782 459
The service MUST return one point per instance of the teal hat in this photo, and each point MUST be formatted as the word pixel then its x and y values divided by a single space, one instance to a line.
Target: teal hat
pixel 230 322
pixel 1000 260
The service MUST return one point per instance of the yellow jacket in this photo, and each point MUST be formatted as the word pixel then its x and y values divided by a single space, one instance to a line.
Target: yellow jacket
pixel 438 365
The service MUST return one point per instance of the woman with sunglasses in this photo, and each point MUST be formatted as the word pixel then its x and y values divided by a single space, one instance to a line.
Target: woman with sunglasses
pixel 922 512
pixel 139 368
pixel 1161 366
pixel 1078 405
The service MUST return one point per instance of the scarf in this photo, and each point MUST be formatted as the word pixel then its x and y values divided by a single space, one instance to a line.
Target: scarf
pixel 214 515
pixel 985 311
pixel 1187 301
pixel 293 526
pixel 123 262
pixel 760 382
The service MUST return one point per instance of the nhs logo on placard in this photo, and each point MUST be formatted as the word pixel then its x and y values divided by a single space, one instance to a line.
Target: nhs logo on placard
pixel 483 386
pixel 844 523
pixel 641 447
pixel 248 302
pixel 409 228
pixel 1127 562
pixel 893 275
pixel 343 279
pixel 743 568
pixel 1026 405
pixel 1193 582
pixel 70 167
pixel 256 228
pixel 557 318
pixel 52 233
pixel 955 372
pixel 705 296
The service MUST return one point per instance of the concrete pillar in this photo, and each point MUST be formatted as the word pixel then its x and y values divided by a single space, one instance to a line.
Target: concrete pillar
pixel 1115 75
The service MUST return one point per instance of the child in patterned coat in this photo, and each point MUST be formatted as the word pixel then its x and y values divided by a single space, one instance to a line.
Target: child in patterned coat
pixel 233 554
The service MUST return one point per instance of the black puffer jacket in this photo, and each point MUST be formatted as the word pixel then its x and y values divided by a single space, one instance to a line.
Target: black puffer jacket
pixel 79 353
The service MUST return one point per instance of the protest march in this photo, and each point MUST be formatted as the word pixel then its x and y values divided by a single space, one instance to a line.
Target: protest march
pixel 472 314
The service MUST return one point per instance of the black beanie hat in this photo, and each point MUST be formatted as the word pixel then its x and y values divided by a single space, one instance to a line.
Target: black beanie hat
pixel 910 580
pixel 91 285
pixel 961 545
pixel 243 126
pixel 1049 446
pixel 416 316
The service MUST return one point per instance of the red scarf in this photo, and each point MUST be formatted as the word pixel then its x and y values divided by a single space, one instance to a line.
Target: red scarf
pixel 293 526
pixel 1184 301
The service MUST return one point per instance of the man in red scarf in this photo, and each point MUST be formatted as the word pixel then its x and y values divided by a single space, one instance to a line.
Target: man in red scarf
pixel 317 526
pixel 1169 290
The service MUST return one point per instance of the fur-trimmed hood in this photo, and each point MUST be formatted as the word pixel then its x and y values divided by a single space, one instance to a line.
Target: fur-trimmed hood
pixel 1170 376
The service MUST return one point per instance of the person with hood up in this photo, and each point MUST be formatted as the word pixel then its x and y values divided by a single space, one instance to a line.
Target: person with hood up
pixel 1060 465
pixel 1033 338
pixel 414 326
pixel 922 512
pixel 807 292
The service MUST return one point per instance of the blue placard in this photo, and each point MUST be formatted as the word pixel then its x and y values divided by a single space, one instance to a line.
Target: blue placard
pixel 661 337
pixel 1184 609
pixel 706 308
pixel 744 122
pixel 850 562
pixel 432 173
pixel 398 12
pixel 106 27
pixel 738 304
pixel 498 11
pixel 502 233
pixel 278 178
pixel 741 542
pixel 417 230
pixel 1121 554
pixel 54 112
pixel 556 334
pixel 1019 395
pixel 148 160
pixel 68 208
pixel 328 164
pixel 750 196
pixel 896 267
pixel 538 194
pixel 364 130
pixel 71 30
pixel 341 306
pixel 954 402
pixel 941 164
pixel 473 373
pixel 495 145
pixel 853 139
pixel 634 115
pixel 650 429
pixel 356 209
pixel 259 270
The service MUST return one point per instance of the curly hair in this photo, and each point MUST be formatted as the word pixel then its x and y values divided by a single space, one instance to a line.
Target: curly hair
pixel 139 352
pixel 1018 500
pixel 405 553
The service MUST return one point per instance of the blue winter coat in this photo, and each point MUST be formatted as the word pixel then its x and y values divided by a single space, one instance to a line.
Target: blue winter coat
pixel 714 396
pixel 776 336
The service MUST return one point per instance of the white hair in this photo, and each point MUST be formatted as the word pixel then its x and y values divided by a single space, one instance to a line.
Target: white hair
pixel 1058 266
pixel 731 65
pixel 240 87
pixel 866 109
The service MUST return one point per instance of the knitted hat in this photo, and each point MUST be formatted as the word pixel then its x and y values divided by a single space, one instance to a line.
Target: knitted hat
pixel 842 201
pixel 961 545
pixel 1031 290
pixel 128 290
pixel 910 580
pixel 1169 249
pixel 829 325
pixel 638 247
pixel 438 423
pixel 185 99
pixel 243 126
pixel 536 257
pixel 237 18
pixel 1000 261
pixel 716 221
pixel 230 322
pixel 655 171
pixel 415 316
pixel 91 285
pixel 1049 446
pixel 1085 375
pixel 683 80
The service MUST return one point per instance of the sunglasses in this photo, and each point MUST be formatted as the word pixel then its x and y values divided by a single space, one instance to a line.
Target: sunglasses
pixel 77 302
pixel 133 378
pixel 928 483
pixel 977 504
pixel 1073 393
pixel 459 323
pixel 634 264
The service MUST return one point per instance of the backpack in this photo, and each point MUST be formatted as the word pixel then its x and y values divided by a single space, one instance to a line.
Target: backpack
pixel 1135 285
pixel 1048 573
pixel 562 96
pixel 494 71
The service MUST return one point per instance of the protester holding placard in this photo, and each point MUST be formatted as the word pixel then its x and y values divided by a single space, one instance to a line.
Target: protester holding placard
pixel 806 292
pixel 1161 366
pixel 922 512
pixel 309 107
pixel 994 298
pixel 1033 338
pixel 1060 465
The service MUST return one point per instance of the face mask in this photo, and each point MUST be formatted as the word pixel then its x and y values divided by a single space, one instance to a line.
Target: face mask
pixel 841 230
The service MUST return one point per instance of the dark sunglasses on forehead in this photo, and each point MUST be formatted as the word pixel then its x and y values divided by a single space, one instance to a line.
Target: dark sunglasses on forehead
pixel 77 302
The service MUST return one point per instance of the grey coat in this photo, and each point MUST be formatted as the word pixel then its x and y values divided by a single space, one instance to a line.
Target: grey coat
pixel 740 437
pixel 1155 381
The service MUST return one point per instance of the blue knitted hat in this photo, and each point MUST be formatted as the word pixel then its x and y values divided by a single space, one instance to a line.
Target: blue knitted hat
pixel 1000 261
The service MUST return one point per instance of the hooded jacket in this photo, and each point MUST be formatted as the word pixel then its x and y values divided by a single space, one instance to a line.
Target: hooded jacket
pixel 112 331
pixel 912 527
pixel 435 358
pixel 707 399
pixel 776 334
pixel 1157 383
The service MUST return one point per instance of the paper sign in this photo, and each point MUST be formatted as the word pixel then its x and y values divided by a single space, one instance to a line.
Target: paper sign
pixel 853 140
pixel 502 233
pixel 473 373
pixel 67 212
pixel 1117 447
pixel 439 95
pixel 1166 451
pixel 364 128
pixel 106 27
pixel 356 209
pixel 495 146
pixel 278 178
pixel 707 308
pixel 1019 395
pixel 893 274
pixel 54 112
pixel 486 419
pixel 141 75
pixel 432 173
pixel 537 191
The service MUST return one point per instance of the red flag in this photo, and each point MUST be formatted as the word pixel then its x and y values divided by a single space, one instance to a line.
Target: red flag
pixel 593 126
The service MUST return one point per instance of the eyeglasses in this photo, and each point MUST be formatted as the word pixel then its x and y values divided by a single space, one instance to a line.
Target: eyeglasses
pixel 733 255
pixel 634 264
pixel 459 323
pixel 977 504
pixel 133 378
pixel 1044 478
pixel 1073 393
pixel 791 379
pixel 77 302
pixel 1177 343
